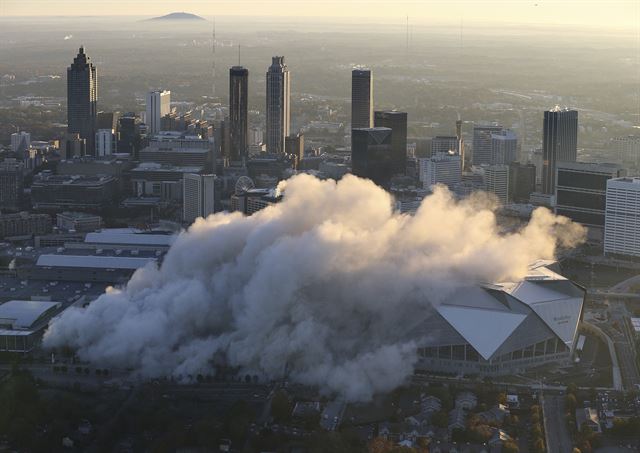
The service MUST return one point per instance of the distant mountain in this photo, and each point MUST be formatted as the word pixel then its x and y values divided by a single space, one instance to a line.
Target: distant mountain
pixel 178 16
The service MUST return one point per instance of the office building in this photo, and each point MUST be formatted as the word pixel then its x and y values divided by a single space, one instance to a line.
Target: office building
pixel 129 140
pixel 74 146
pixel 627 149
pixel 559 143
pixel 199 196
pixel 496 181
pixel 581 190
pixel 251 201
pixel 11 183
pixel 397 122
pixel 441 168
pixel 20 142
pixel 371 154
pixel 278 105
pixel 444 144
pixel 522 181
pixel 294 146
pixel 361 99
pixel 622 219
pixel 482 144
pixel 82 99
pixel 106 143
pixel 78 221
pixel 164 181
pixel 172 148
pixel 238 113
pixel 24 224
pixel 504 147
pixel 158 105
pixel 73 192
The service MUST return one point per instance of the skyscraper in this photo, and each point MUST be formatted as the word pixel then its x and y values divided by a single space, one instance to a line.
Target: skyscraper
pixel 198 196
pixel 496 181
pixel 622 219
pixel 441 168
pixel 397 122
pixel 82 98
pixel 372 154
pixel 559 143
pixel 504 147
pixel 294 145
pixel 238 112
pixel 158 105
pixel 278 105
pixel 361 98
pixel 20 142
pixel 482 143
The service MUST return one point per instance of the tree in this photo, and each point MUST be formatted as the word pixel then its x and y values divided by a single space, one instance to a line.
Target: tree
pixel 440 419
pixel 380 445
pixel 281 407
pixel 571 402
pixel 510 446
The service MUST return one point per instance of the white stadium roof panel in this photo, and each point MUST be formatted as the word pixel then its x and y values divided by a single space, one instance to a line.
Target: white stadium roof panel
pixel 562 316
pixel 485 330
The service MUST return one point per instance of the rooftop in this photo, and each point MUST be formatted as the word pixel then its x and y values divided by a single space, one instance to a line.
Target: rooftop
pixel 93 262
pixel 24 314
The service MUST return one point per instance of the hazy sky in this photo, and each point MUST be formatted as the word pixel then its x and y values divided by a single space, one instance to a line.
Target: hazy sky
pixel 604 13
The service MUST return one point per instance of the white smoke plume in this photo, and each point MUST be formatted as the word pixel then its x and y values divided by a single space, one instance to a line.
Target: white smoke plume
pixel 323 286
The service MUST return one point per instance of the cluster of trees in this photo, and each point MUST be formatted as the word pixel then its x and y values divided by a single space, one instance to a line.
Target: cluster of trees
pixel 33 423
pixel 537 430
pixel 625 427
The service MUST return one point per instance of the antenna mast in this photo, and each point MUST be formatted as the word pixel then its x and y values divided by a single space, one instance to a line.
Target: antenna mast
pixel 213 59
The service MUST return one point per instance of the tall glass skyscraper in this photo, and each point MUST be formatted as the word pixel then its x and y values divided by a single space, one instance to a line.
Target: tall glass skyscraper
pixel 361 99
pixel 397 122
pixel 238 113
pixel 82 99
pixel 482 143
pixel 278 105
pixel 559 143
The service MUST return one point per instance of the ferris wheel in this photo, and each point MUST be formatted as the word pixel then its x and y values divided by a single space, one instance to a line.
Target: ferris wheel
pixel 244 184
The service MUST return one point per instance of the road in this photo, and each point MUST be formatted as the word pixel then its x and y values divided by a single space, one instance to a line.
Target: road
pixel 624 344
pixel 555 425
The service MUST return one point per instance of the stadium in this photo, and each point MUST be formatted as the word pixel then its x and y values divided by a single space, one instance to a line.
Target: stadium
pixel 503 328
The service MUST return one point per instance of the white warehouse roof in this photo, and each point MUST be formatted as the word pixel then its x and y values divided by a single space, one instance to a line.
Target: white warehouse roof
pixel 93 262
pixel 23 314
pixel 119 238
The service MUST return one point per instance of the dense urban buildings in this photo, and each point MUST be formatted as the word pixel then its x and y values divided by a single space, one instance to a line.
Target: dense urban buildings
pixel 106 142
pixel 397 122
pixel 238 113
pixel 294 146
pixel 361 99
pixel 20 142
pixel 278 108
pixel 158 105
pixel 82 98
pixel 559 143
pixel 622 220
pixel 444 144
pixel 24 224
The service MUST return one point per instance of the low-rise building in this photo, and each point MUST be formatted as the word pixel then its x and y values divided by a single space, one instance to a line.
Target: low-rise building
pixel 588 417
pixel 22 323
pixel 78 221
pixel 24 224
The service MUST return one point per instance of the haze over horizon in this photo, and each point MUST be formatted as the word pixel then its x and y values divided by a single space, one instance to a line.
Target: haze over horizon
pixel 617 14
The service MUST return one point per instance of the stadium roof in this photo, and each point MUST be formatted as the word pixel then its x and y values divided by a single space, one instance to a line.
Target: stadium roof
pixel 120 238
pixel 24 314
pixel 94 262
pixel 493 316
